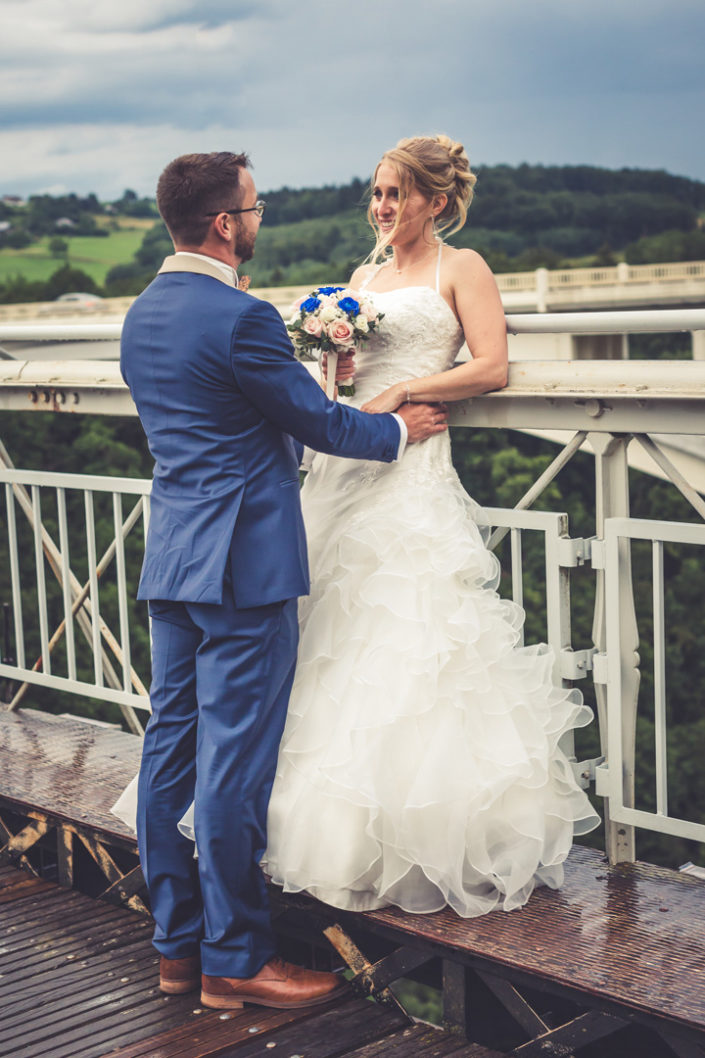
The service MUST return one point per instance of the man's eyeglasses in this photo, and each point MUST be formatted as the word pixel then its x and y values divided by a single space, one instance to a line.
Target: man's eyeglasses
pixel 258 208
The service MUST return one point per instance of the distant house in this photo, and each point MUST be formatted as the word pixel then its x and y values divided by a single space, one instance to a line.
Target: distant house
pixel 4 226
pixel 65 223
pixel 13 200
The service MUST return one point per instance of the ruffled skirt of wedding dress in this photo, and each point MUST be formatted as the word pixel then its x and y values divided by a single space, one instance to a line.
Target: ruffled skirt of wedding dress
pixel 420 764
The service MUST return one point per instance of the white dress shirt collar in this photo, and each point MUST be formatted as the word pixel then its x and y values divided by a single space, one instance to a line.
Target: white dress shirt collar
pixel 229 273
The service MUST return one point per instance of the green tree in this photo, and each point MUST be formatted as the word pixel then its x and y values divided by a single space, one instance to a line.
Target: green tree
pixel 58 247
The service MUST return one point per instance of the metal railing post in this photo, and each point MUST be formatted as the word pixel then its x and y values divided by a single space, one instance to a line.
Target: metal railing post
pixel 612 500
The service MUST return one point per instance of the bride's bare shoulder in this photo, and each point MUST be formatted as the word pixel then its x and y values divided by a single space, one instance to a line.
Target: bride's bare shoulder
pixel 466 264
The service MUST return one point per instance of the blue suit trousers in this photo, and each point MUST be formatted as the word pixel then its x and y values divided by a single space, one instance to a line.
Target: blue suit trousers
pixel 220 686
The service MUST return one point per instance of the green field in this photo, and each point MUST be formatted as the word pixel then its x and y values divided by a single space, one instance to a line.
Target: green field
pixel 94 256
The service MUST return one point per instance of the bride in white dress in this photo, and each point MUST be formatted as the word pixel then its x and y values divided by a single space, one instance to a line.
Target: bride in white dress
pixel 420 763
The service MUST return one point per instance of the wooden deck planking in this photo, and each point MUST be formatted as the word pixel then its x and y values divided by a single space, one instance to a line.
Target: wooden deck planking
pixel 631 935
pixel 79 979
pixel 628 939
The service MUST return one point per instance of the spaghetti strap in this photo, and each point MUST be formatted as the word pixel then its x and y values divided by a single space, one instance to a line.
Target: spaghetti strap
pixel 370 275
pixel 438 268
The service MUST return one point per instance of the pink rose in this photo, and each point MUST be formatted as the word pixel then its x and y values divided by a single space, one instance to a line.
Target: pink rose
pixel 368 310
pixel 313 326
pixel 341 332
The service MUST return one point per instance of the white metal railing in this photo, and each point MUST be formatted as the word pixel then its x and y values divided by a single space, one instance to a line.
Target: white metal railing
pixel 602 407
pixel 628 274
pixel 610 777
pixel 73 609
pixel 626 321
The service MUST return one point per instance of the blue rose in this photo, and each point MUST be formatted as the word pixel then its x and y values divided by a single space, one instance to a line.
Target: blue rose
pixel 310 305
pixel 329 290
pixel 349 305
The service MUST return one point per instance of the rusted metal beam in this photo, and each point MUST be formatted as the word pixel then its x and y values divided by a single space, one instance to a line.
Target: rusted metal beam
pixel 7 835
pixel 127 886
pixel 362 967
pixel 514 1003
pixel 578 1033
pixel 18 844
pixel 65 860
pixel 111 871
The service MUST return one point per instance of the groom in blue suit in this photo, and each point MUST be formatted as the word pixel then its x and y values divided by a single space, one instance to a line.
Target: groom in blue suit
pixel 226 408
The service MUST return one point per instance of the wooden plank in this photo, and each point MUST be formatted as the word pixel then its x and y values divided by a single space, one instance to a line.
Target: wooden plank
pixel 29 916
pixel 56 949
pixel 47 985
pixel 422 1041
pixel 84 1035
pixel 350 1024
pixel 25 886
pixel 98 995
pixel 211 1035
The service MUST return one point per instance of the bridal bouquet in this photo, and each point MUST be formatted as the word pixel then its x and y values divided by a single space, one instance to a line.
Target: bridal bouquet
pixel 332 320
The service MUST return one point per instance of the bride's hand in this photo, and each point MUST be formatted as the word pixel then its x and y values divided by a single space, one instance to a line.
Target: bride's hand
pixel 388 400
pixel 345 369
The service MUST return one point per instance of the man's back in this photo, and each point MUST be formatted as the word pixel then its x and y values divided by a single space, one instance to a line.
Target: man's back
pixel 209 442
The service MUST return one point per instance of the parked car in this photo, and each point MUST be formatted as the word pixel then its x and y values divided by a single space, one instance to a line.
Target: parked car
pixel 79 298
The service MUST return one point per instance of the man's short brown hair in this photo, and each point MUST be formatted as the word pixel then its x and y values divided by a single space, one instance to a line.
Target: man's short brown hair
pixel 196 184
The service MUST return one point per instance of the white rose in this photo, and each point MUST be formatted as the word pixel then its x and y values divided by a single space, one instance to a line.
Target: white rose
pixel 361 324
pixel 328 313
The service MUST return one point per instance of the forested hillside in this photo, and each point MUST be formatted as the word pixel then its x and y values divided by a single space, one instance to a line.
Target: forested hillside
pixel 522 217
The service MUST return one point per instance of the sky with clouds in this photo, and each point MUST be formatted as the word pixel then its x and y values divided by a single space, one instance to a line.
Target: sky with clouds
pixel 98 96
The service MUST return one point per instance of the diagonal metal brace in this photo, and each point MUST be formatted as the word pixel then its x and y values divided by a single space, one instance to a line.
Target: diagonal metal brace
pixel 565 1039
pixel 360 965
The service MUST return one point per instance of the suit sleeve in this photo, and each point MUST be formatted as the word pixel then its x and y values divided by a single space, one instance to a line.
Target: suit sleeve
pixel 267 372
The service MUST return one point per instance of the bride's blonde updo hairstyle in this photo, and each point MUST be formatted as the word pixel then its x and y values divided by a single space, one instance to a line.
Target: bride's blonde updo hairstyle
pixel 433 165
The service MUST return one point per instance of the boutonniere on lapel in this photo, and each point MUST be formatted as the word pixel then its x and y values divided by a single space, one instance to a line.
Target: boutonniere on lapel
pixel 243 283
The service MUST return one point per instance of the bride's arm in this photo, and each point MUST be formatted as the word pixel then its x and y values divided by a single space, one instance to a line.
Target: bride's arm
pixel 479 308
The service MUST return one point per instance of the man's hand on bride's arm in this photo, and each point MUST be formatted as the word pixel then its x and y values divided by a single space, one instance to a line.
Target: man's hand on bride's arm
pixel 423 420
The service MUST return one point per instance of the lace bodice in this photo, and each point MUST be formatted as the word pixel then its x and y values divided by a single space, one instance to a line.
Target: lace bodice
pixel 418 336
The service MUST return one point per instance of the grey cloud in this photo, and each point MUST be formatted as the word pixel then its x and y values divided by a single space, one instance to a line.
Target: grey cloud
pixel 317 94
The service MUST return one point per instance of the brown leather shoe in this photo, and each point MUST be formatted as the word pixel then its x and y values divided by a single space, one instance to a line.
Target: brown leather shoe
pixel 278 984
pixel 178 976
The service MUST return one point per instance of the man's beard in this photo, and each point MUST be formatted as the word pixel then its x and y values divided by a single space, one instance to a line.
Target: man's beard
pixel 245 242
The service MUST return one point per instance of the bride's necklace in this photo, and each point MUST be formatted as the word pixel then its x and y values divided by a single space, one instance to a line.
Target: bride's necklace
pixel 413 264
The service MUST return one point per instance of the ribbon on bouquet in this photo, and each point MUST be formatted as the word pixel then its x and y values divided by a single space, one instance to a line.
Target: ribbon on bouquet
pixel 345 389
pixel 332 371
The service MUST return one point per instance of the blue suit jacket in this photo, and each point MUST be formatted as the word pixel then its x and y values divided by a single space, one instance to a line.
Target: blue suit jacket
pixel 221 396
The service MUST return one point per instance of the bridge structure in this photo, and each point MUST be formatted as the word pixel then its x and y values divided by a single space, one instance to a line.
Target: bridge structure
pixel 615 960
